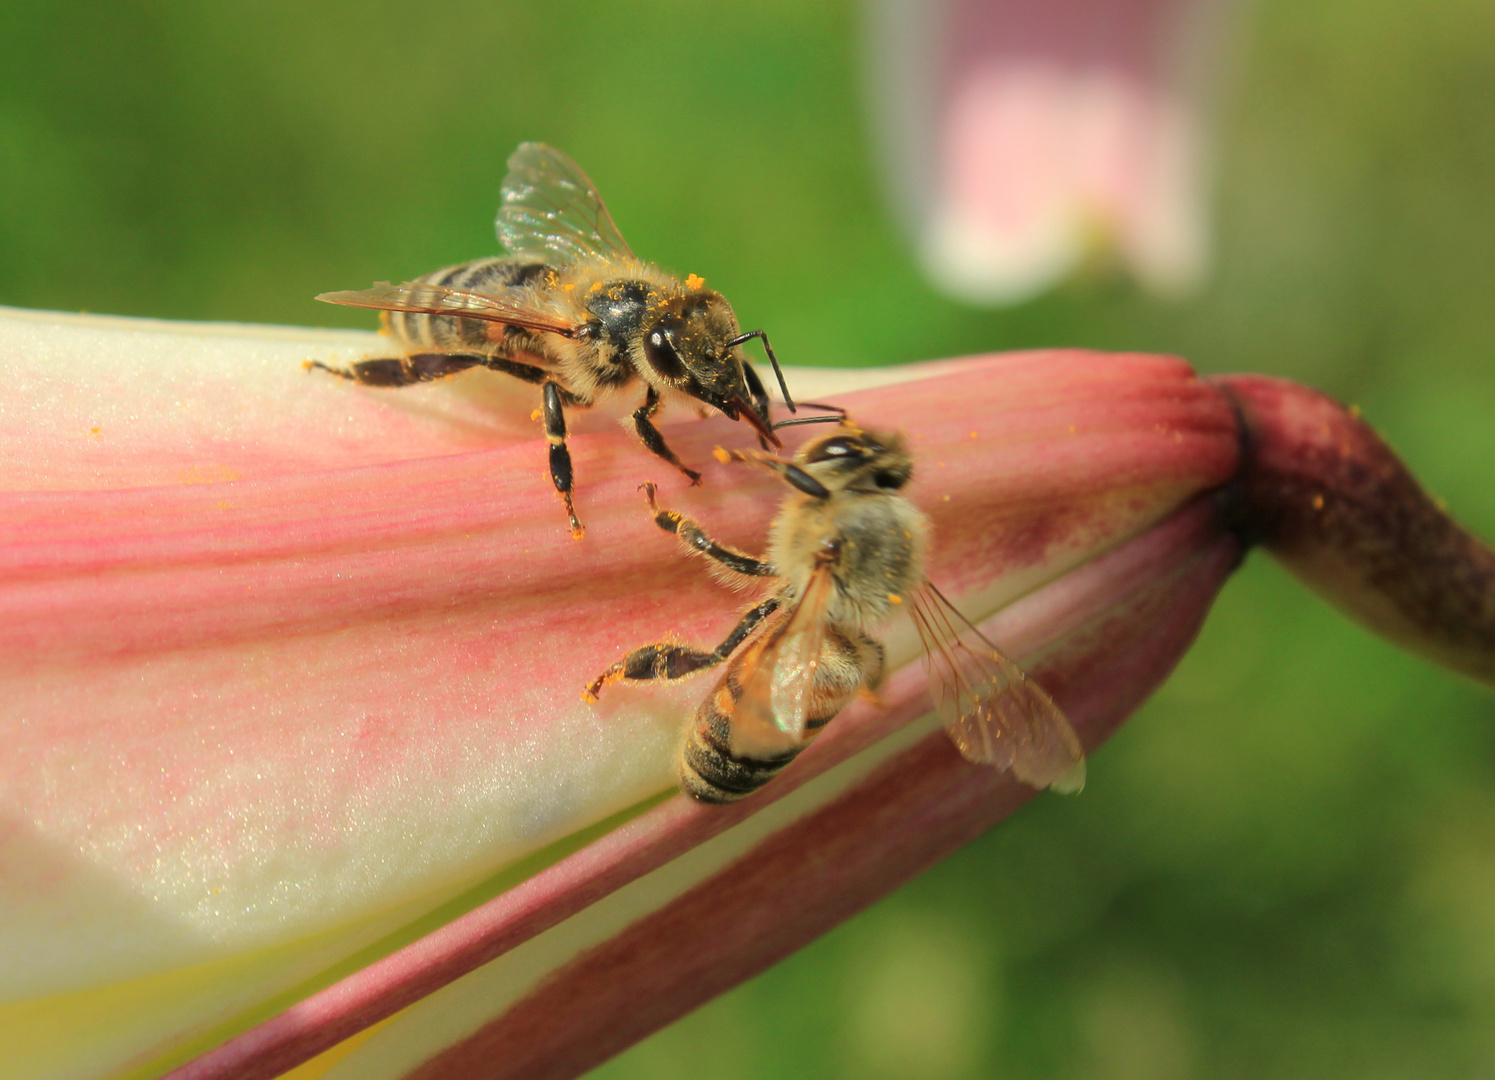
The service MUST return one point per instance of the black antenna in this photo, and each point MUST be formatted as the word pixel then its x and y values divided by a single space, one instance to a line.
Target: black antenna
pixel 772 359
pixel 838 416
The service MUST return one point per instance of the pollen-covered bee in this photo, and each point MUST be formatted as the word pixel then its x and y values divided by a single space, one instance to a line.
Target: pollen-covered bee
pixel 845 550
pixel 572 309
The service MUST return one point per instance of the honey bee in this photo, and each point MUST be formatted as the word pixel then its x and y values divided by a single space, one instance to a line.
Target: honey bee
pixel 846 550
pixel 573 310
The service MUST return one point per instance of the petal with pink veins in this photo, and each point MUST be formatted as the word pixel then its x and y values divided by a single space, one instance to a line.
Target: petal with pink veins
pixel 293 740
pixel 254 725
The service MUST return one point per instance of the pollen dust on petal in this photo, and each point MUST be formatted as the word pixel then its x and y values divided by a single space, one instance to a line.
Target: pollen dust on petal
pixel 207 474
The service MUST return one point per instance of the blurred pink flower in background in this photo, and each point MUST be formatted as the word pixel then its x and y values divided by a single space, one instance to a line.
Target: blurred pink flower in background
pixel 1022 138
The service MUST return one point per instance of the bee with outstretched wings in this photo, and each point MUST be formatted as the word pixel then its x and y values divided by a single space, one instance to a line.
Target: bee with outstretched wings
pixel 848 548
pixel 572 310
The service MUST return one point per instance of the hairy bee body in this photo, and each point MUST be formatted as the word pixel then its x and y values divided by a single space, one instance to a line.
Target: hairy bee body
pixel 878 538
pixel 611 304
pixel 573 311
pixel 874 539
pixel 449 333
pixel 705 766
pixel 846 549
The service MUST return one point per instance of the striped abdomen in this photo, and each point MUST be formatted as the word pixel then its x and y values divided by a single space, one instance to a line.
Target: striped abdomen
pixel 446 333
pixel 707 769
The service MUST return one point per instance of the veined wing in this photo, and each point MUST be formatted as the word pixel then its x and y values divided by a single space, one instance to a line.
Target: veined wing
pixel 548 206
pixel 777 675
pixel 994 713
pixel 424 298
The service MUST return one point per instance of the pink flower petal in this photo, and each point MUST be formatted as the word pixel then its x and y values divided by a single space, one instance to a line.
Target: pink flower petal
pixel 93 402
pixel 1103 637
pixel 317 701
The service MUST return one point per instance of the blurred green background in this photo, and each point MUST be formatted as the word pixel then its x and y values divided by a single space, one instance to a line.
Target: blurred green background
pixel 1284 866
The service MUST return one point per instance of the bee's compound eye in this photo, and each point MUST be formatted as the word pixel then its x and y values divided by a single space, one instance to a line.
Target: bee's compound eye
pixel 839 448
pixel 660 352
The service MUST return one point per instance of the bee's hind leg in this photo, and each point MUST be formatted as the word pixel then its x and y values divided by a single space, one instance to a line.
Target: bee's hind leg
pixel 403 370
pixel 643 423
pixel 669 660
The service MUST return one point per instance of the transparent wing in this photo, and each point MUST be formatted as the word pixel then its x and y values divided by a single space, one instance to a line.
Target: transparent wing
pixel 549 206
pixel 778 674
pixel 424 298
pixel 994 713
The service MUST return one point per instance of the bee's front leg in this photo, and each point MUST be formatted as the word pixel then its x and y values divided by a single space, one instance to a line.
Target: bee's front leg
pixel 644 425
pixel 760 401
pixel 669 660
pixel 695 540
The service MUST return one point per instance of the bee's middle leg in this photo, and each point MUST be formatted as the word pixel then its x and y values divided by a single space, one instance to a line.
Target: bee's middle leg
pixel 670 661
pixel 644 425
pixel 560 455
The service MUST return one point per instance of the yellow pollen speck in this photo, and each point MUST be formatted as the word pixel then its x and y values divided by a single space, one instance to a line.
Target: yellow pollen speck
pixel 569 286
pixel 894 598
pixel 207 474
pixel 1318 502
pixel 537 414
pixel 694 282
pixel 595 286
pixel 944 498
pixel 589 697
pixel 94 432
pixel 721 455
pixel 1071 429
pixel 973 434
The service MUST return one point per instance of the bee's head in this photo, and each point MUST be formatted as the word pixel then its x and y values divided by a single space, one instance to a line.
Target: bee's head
pixel 691 343
pixel 850 458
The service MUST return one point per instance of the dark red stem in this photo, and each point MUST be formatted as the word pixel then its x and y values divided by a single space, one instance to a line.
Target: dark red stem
pixel 1323 493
